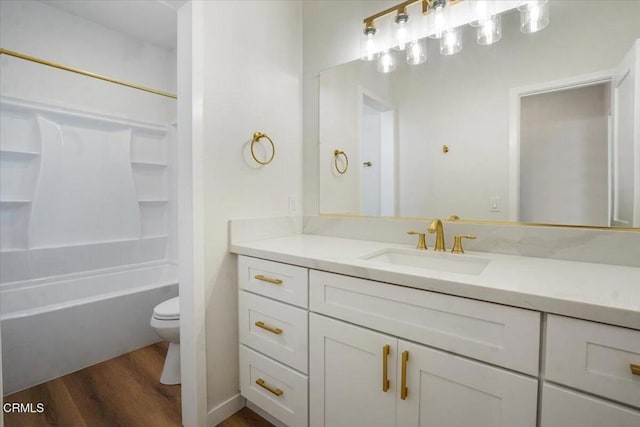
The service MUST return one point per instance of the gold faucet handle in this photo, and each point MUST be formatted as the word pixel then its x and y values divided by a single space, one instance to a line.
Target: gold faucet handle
pixel 457 243
pixel 422 241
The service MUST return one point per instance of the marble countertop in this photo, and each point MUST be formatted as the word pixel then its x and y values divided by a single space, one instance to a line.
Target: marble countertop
pixel 597 292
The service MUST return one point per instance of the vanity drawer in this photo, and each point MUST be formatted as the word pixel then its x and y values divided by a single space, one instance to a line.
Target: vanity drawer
pixel 277 389
pixel 594 357
pixel 275 329
pixel 282 282
pixel 566 408
pixel 493 333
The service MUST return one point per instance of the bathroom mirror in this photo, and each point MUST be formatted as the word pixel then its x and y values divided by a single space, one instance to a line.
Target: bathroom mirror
pixel 536 128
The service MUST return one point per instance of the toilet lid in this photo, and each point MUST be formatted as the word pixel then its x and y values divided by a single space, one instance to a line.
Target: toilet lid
pixel 168 310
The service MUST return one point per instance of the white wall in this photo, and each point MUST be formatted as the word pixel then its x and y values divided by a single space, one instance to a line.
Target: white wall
pixel 252 68
pixel 564 147
pixel 36 29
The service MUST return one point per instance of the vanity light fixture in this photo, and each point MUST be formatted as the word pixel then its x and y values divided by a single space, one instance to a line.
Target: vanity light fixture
pixel 386 62
pixel 438 21
pixel 451 42
pixel 489 31
pixel 368 48
pixel 534 15
pixel 401 30
pixel 417 52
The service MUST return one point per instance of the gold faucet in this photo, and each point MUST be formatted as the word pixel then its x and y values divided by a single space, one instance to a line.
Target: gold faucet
pixel 436 227
pixel 422 242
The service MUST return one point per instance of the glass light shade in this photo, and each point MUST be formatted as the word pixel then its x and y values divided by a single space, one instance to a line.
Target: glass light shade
pixel 368 47
pixel 451 42
pixel 438 20
pixel 417 52
pixel 534 15
pixel 481 10
pixel 489 31
pixel 400 29
pixel 386 62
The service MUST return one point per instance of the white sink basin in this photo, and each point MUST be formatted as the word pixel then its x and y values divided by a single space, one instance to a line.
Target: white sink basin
pixel 438 261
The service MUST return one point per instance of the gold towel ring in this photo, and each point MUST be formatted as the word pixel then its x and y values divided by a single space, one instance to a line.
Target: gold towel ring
pixel 257 137
pixel 336 154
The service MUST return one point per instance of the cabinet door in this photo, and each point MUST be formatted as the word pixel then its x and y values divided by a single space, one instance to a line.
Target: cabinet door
pixel 346 373
pixel 567 408
pixel 449 391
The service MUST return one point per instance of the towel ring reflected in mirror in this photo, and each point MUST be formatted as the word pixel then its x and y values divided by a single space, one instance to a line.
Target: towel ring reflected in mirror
pixel 336 155
pixel 257 137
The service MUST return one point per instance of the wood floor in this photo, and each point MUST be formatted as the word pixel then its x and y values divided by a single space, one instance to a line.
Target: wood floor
pixel 245 418
pixel 124 391
pixel 121 392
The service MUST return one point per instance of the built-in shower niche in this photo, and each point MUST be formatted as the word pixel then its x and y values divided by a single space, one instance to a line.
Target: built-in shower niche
pixel 81 191
pixel 19 165
pixel 150 167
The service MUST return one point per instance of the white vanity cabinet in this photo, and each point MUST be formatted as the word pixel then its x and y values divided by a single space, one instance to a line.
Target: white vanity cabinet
pixel 273 329
pixel 349 369
pixel 357 378
pixel 601 360
pixel 447 390
pixel 329 350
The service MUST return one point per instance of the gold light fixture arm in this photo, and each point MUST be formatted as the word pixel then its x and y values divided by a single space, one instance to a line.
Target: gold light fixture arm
pixel 85 73
pixel 427 6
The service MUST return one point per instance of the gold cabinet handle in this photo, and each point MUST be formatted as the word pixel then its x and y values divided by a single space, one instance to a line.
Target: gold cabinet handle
pixel 268 279
pixel 422 242
pixel 457 243
pixel 386 349
pixel 635 369
pixel 276 331
pixel 404 391
pixel 267 387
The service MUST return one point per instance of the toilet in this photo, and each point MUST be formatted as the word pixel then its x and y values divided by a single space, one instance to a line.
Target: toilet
pixel 166 322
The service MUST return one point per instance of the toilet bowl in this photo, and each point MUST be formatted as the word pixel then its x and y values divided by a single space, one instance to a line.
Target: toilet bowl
pixel 166 322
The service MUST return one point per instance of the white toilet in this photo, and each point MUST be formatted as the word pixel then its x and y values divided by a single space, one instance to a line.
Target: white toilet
pixel 166 322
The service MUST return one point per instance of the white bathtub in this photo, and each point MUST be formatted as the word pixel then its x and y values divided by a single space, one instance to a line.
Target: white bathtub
pixel 54 327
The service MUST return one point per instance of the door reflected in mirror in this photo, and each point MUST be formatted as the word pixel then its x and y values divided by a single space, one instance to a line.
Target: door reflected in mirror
pixel 540 128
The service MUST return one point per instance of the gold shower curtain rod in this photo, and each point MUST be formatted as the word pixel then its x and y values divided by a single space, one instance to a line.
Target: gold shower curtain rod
pixel 85 73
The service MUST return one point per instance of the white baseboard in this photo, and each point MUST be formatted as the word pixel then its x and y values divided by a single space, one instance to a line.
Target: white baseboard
pixel 225 410
pixel 276 422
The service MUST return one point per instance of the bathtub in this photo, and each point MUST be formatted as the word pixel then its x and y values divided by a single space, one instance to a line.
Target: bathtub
pixel 53 327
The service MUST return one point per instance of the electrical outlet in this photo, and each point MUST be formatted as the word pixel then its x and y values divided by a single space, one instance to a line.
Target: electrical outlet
pixel 494 204
pixel 293 205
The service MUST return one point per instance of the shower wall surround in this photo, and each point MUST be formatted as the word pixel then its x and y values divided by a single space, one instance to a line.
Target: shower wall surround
pixel 80 191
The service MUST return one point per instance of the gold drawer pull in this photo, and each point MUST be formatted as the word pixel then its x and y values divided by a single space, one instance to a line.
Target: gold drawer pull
pixel 267 387
pixel 635 369
pixel 268 279
pixel 404 391
pixel 276 331
pixel 386 349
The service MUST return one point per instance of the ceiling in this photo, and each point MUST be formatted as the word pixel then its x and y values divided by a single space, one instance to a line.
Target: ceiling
pixel 151 20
